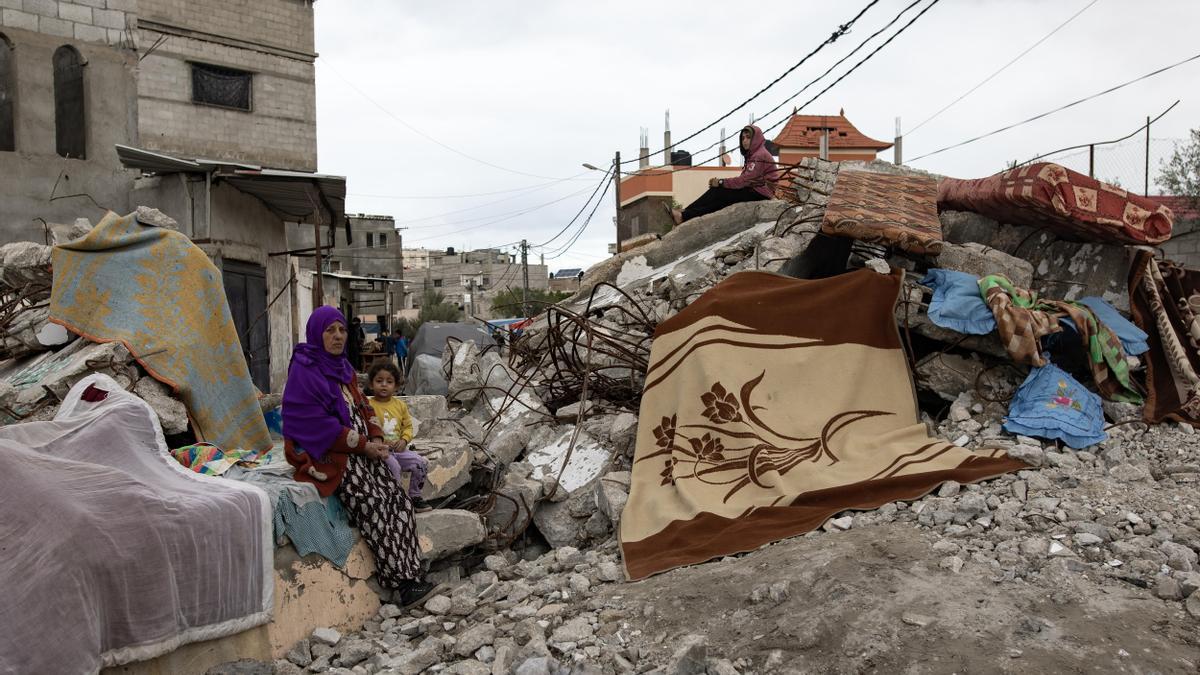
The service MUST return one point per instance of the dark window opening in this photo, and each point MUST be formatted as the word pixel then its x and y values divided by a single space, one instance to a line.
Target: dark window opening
pixel 370 240
pixel 437 283
pixel 70 122
pixel 224 87
pixel 8 91
pixel 382 241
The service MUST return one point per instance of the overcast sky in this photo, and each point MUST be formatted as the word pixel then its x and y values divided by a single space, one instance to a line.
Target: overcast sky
pixel 421 103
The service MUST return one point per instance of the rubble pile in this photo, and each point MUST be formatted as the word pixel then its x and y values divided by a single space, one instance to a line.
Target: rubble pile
pixel 40 360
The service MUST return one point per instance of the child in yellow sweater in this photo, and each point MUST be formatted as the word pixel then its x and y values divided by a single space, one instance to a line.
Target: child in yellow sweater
pixel 397 426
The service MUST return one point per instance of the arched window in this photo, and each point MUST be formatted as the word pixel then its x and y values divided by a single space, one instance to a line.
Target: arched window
pixel 70 122
pixel 8 91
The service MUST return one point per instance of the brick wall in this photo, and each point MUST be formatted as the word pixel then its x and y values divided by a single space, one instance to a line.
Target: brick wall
pixel 103 21
pixel 272 39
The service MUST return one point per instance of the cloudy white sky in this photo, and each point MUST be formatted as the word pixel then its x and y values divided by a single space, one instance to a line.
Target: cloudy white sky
pixel 429 107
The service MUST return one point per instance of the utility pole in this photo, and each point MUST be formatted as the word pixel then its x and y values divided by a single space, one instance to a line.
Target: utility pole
pixel 617 194
pixel 525 283
pixel 317 250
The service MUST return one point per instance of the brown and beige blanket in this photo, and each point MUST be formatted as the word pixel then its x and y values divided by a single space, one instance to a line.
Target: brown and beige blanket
pixel 1165 302
pixel 771 404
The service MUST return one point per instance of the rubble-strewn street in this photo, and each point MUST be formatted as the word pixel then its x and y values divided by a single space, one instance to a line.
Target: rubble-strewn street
pixel 885 360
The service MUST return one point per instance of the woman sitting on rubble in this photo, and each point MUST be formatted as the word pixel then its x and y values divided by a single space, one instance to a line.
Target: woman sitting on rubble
pixel 332 437
pixel 756 182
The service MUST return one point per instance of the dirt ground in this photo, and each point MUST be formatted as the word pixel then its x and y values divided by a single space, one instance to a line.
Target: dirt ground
pixel 873 600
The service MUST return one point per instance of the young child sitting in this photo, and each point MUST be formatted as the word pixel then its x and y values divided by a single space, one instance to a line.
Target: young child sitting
pixel 397 426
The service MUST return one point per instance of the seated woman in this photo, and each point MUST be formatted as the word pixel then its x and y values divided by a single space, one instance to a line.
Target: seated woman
pixel 756 182
pixel 332 438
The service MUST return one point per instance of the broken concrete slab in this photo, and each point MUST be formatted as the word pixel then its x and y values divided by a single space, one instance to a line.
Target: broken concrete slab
pixel 508 444
pixel 146 215
pixel 460 367
pixel 948 375
pixel 588 460
pixel 426 412
pixel 59 371
pixel 444 531
pixel 497 376
pixel 611 494
pixel 981 260
pixel 516 499
pixel 449 465
pixel 172 413
pixel 623 433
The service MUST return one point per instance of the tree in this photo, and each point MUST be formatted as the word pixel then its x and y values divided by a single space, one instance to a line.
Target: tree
pixel 1180 174
pixel 435 308
pixel 507 303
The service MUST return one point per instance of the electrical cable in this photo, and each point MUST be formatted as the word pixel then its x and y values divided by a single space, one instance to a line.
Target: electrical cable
pixel 1058 109
pixel 1085 145
pixel 422 134
pixel 527 188
pixel 503 218
pixel 566 247
pixel 603 180
pixel 1002 68
pixel 843 76
pixel 838 33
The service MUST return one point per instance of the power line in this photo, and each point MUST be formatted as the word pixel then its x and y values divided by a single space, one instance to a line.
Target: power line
pixel 606 176
pixel 1058 109
pixel 424 135
pixel 1085 145
pixel 559 252
pixel 1003 68
pixel 838 33
pixel 844 75
pixel 503 218
pixel 528 188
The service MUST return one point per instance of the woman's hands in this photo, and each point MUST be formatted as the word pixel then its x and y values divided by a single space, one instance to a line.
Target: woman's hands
pixel 377 450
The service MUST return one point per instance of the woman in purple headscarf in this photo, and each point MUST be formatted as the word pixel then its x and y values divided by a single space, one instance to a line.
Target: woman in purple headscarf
pixel 332 438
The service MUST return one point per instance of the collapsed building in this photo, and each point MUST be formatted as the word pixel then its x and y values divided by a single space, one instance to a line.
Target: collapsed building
pixel 540 454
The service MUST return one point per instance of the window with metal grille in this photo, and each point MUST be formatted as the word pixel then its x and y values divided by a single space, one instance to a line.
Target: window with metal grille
pixel 437 283
pixel 70 122
pixel 382 240
pixel 370 240
pixel 8 92
pixel 224 87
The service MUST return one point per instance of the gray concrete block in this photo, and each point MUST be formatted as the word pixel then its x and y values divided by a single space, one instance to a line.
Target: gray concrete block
pixel 41 7
pixel 90 33
pixel 57 27
pixel 71 12
pixel 22 20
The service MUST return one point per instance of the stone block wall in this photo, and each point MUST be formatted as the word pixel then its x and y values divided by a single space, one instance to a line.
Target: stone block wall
pixel 272 39
pixel 104 21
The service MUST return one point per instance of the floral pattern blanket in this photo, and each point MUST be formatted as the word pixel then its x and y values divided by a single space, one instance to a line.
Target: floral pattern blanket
pixel 1068 203
pixel 770 405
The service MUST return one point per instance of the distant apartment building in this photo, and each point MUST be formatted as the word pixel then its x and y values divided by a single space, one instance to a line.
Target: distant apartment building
pixel 468 278
pixel 369 268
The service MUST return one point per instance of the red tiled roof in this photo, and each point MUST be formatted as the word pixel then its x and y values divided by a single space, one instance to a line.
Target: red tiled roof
pixel 1184 208
pixel 802 131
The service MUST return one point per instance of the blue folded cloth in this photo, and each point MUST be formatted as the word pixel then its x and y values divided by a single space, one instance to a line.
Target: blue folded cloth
pixel 957 303
pixel 1052 404
pixel 1133 339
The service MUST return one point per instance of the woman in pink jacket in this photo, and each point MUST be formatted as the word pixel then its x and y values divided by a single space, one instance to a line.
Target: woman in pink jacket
pixel 756 182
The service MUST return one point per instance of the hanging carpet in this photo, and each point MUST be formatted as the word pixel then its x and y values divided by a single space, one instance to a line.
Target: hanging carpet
pixel 1165 302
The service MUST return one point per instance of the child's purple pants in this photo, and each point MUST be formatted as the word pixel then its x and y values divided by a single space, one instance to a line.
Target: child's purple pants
pixel 414 464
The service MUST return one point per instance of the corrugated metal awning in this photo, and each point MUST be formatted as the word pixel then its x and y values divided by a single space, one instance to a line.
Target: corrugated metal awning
pixel 296 196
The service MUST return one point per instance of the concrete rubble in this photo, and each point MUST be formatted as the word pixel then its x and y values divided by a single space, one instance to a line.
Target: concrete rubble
pixel 530 455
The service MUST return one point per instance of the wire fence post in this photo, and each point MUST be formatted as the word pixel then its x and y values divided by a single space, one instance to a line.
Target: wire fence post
pixel 1092 160
pixel 1147 193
